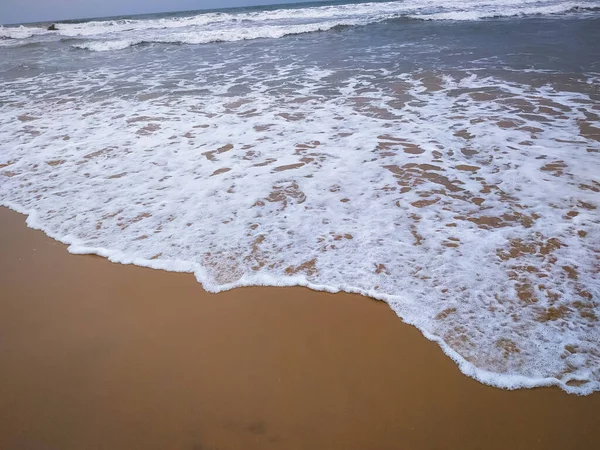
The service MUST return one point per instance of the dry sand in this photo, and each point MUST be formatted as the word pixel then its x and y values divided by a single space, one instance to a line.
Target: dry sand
pixel 95 355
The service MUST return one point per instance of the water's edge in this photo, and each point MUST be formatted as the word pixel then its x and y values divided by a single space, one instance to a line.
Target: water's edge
pixel 497 380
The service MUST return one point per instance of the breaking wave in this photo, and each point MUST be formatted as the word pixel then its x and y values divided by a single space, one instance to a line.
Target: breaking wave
pixel 209 27
pixel 247 33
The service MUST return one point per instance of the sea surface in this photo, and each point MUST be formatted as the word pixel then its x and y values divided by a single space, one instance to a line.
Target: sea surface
pixel 441 156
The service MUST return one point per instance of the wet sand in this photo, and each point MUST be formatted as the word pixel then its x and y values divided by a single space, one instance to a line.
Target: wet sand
pixel 95 355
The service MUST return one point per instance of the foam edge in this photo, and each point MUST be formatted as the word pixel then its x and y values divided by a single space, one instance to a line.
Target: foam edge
pixel 497 380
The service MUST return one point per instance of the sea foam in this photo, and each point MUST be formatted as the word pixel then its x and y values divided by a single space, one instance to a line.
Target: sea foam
pixel 469 204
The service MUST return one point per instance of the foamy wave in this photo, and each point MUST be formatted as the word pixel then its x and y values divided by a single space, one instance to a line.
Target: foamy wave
pixel 468 204
pixel 361 13
pixel 20 32
pixel 231 26
pixel 223 27
pixel 507 8
pixel 105 46
pixel 246 33
pixel 95 28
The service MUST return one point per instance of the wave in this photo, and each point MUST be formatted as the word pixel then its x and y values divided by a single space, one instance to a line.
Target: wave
pixel 18 43
pixel 222 27
pixel 248 33
pixel 232 23
pixel 104 46
pixel 508 11
pixel 20 32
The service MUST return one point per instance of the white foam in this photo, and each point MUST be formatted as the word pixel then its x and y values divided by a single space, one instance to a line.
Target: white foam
pixel 458 207
pixel 20 32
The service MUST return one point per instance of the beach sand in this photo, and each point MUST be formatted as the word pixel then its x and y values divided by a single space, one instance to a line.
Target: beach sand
pixel 96 355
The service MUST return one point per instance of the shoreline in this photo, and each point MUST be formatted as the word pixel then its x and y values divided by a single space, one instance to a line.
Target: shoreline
pixel 493 379
pixel 103 355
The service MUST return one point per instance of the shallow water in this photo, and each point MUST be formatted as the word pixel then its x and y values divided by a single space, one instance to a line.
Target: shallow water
pixel 447 167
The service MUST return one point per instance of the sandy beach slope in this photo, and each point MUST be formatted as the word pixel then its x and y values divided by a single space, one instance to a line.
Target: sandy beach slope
pixel 95 355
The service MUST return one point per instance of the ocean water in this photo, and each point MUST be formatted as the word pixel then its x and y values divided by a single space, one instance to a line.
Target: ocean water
pixel 440 156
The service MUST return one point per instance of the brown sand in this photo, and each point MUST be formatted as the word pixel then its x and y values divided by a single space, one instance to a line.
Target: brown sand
pixel 95 355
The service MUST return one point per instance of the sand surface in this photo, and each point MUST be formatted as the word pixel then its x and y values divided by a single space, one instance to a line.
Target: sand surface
pixel 95 355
